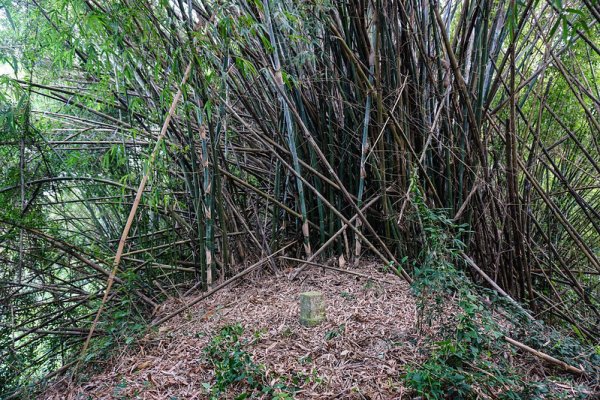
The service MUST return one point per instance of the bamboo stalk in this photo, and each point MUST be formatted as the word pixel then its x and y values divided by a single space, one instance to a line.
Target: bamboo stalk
pixel 545 357
pixel 133 211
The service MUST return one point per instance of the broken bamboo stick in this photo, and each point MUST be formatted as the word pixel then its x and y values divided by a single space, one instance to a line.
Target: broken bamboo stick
pixel 545 356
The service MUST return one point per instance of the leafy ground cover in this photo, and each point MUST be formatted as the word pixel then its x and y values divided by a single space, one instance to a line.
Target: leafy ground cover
pixel 247 343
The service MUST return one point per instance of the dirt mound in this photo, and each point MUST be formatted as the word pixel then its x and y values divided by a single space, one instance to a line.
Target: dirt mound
pixel 357 352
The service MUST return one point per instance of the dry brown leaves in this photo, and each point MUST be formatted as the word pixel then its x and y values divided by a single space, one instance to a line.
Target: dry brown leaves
pixel 358 352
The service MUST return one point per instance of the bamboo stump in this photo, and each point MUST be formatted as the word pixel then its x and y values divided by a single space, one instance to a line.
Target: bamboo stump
pixel 312 308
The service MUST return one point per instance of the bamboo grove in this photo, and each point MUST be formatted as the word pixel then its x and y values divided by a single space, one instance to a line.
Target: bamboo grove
pixel 233 132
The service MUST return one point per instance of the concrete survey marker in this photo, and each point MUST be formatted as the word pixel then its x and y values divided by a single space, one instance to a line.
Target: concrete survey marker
pixel 312 308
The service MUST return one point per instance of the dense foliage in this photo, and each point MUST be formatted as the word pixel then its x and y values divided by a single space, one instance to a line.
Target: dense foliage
pixel 154 148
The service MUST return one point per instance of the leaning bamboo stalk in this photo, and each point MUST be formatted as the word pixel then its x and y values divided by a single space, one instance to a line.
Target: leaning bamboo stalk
pixel 545 356
pixel 195 301
pixel 344 271
pixel 307 134
pixel 572 231
pixel 138 198
pixel 334 237
pixel 493 284
pixel 338 214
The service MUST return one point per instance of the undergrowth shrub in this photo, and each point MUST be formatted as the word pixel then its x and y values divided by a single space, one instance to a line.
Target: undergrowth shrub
pixel 234 369
pixel 464 357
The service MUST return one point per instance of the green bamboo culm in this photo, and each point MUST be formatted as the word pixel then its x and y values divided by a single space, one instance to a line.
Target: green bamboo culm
pixel 289 127
pixel 364 148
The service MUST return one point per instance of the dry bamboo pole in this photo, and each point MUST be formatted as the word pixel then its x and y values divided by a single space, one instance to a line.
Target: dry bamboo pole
pixel 333 237
pixel 207 204
pixel 324 266
pixel 197 300
pixel 545 357
pixel 136 203
pixel 403 273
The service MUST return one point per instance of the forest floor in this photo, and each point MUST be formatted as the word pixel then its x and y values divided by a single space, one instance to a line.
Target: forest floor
pixel 359 352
